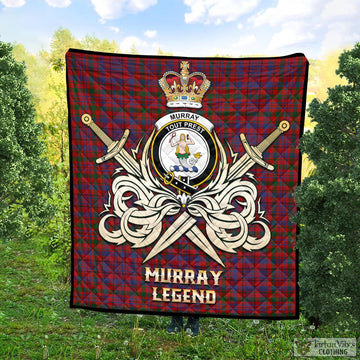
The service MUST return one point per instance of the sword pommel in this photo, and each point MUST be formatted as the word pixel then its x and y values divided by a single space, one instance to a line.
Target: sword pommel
pixel 284 126
pixel 86 119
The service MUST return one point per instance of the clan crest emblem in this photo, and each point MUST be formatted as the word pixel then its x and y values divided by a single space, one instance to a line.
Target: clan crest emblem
pixel 184 152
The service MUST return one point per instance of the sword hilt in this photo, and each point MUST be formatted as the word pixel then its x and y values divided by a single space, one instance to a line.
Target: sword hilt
pixel 255 152
pixel 115 149
pixel 87 120
pixel 282 127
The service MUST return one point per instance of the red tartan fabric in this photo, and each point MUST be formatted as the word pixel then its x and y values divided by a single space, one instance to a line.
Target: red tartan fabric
pixel 224 246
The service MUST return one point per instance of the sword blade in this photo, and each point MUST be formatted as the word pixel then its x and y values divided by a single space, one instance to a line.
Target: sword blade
pixel 184 225
pixel 178 228
pixel 241 167
pixel 128 162
pixel 200 240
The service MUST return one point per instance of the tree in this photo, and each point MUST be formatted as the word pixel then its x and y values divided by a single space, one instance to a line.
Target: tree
pixel 61 42
pixel 329 202
pixel 51 109
pixel 95 44
pixel 25 174
pixel 163 53
pixel 133 50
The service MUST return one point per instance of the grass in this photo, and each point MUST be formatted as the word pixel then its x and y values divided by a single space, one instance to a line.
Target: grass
pixel 37 323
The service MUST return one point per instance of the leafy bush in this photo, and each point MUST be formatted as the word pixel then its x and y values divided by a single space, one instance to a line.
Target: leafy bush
pixel 25 174
pixel 329 201
pixel 56 239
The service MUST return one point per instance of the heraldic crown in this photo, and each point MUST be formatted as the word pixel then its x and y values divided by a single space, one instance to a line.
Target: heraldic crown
pixel 184 89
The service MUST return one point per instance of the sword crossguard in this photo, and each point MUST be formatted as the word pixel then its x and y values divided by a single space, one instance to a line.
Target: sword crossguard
pixel 255 154
pixel 114 148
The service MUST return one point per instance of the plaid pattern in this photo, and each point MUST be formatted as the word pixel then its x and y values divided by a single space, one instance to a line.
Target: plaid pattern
pixel 250 96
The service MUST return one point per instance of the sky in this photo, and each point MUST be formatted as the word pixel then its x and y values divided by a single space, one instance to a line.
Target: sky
pixel 189 27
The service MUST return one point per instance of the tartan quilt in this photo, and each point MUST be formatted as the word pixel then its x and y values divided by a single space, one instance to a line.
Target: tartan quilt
pixel 182 179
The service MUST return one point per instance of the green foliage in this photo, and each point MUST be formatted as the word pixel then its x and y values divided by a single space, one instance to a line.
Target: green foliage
pixel 56 238
pixel 95 44
pixel 35 318
pixel 133 50
pixel 63 40
pixel 46 72
pixel 163 53
pixel 329 200
pixel 37 72
pixel 25 174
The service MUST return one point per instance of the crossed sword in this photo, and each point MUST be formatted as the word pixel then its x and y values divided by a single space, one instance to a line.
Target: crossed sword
pixel 185 224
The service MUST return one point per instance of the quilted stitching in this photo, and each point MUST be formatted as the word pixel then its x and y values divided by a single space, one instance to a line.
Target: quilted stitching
pixel 249 96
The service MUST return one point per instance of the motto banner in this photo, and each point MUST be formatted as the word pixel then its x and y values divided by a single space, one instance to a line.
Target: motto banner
pixel 182 180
